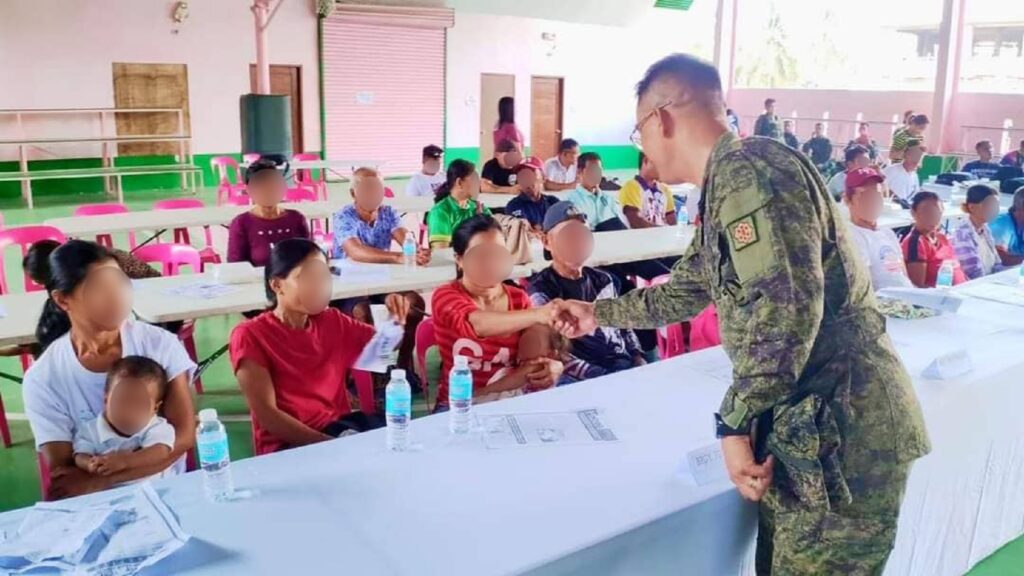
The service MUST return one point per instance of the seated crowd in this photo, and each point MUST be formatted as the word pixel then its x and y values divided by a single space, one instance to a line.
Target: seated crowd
pixel 109 398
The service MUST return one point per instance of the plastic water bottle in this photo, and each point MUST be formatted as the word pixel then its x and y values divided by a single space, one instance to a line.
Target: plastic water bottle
pixel 682 220
pixel 409 250
pixel 460 395
pixel 212 441
pixel 944 279
pixel 398 411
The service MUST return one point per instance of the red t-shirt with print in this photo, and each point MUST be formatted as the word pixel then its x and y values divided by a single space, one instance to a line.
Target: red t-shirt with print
pixel 918 248
pixel 451 307
pixel 308 366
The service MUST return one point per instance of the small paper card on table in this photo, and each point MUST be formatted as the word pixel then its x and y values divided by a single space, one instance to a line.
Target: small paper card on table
pixel 949 365
pixel 704 465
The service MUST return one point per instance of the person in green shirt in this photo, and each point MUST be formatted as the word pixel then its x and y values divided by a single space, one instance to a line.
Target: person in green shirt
pixel 455 201
pixel 913 130
pixel 768 124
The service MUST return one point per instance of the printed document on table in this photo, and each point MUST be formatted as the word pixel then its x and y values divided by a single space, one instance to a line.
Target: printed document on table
pixel 203 289
pixel 382 350
pixel 587 426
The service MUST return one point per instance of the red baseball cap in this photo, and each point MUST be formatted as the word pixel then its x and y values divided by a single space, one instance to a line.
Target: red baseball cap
pixel 530 162
pixel 862 177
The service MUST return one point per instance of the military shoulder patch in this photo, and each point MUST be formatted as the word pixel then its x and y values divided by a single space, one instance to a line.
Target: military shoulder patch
pixel 743 232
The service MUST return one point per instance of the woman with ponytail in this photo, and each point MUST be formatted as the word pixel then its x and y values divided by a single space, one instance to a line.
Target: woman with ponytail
pixel 455 201
pixel 293 360
pixel 86 327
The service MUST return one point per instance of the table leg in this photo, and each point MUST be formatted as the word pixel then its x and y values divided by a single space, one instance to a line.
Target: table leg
pixel 150 239
pixel 204 364
pixel 26 184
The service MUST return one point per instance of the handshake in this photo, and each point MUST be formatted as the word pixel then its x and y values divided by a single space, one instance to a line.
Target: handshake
pixel 570 318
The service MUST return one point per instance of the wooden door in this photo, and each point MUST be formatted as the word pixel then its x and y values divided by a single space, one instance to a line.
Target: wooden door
pixel 546 116
pixel 493 87
pixel 150 86
pixel 286 81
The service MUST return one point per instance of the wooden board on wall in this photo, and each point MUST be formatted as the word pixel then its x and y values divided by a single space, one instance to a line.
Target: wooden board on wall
pixel 150 86
pixel 286 81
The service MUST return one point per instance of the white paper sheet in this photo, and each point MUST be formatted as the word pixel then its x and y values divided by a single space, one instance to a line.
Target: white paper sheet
pixel 714 365
pixel 588 426
pixel 382 350
pixel 356 273
pixel 118 537
pixel 203 289
pixel 1002 293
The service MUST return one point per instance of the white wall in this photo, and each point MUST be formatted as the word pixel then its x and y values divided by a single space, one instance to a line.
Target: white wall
pixel 58 54
pixel 600 64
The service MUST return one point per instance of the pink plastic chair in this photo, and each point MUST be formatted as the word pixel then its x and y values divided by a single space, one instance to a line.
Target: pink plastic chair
pixel 101 209
pixel 673 342
pixel 181 236
pixel 25 237
pixel 704 332
pixel 173 257
pixel 44 475
pixel 230 176
pixel 364 389
pixel 305 179
pixel 388 192
pixel 425 338
pixel 316 226
pixel 251 157
pixel 5 428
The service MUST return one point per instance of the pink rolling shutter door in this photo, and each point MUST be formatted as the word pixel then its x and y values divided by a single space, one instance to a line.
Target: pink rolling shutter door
pixel 384 84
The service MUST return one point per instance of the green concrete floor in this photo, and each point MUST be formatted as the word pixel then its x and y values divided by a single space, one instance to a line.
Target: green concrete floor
pixel 19 484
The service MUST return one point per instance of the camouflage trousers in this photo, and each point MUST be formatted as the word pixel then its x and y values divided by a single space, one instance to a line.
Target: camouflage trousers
pixel 851 539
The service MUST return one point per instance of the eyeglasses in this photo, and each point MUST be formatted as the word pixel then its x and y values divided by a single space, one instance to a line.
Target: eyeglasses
pixel 635 136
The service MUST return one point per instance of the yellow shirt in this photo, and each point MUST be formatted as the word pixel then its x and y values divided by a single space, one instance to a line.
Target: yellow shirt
pixel 653 204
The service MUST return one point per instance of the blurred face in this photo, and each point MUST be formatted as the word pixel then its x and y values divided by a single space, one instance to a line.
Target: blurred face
pixel 529 181
pixel 431 166
pixel 914 154
pixel 928 215
pixel 307 288
pixel 788 127
pixel 487 262
pixel 570 243
pixel 819 128
pixel 1021 147
pixel 862 129
pixel 510 159
pixel 770 107
pixel 866 203
pixel 918 129
pixel 569 157
pixel 535 343
pixel 648 171
pixel 861 161
pixel 985 152
pixel 987 210
pixel 131 404
pixel 102 301
pixel 468 187
pixel 592 174
pixel 267 188
pixel 368 192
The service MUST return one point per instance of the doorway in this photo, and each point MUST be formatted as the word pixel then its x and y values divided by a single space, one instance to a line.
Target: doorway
pixel 286 81
pixel 151 86
pixel 493 87
pixel 546 116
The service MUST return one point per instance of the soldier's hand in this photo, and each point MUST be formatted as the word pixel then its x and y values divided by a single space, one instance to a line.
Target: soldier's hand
pixel 575 319
pixel 751 479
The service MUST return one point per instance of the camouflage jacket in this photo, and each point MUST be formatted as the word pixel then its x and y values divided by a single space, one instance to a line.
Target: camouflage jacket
pixel 797 317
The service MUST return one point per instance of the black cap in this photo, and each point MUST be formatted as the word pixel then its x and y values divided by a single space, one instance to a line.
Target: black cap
pixel 561 212
pixel 432 151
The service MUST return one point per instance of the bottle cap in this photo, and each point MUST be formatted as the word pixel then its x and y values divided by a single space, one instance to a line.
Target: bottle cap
pixel 398 374
pixel 208 415
pixel 461 361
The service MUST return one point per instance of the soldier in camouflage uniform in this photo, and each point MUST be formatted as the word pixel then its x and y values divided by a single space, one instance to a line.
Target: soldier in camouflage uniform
pixel 814 375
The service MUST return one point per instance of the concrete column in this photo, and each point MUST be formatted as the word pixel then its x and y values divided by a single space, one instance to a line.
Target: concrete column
pixel 261 17
pixel 947 76
pixel 725 43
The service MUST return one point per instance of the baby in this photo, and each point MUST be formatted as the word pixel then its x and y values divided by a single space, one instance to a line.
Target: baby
pixel 536 342
pixel 128 434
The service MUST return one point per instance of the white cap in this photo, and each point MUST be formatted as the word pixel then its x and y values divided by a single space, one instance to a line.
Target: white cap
pixel 461 361
pixel 207 414
pixel 398 374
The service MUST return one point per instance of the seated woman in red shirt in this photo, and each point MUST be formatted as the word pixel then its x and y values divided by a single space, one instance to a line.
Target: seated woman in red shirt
pixel 292 361
pixel 481 317
pixel 926 248
pixel 253 232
